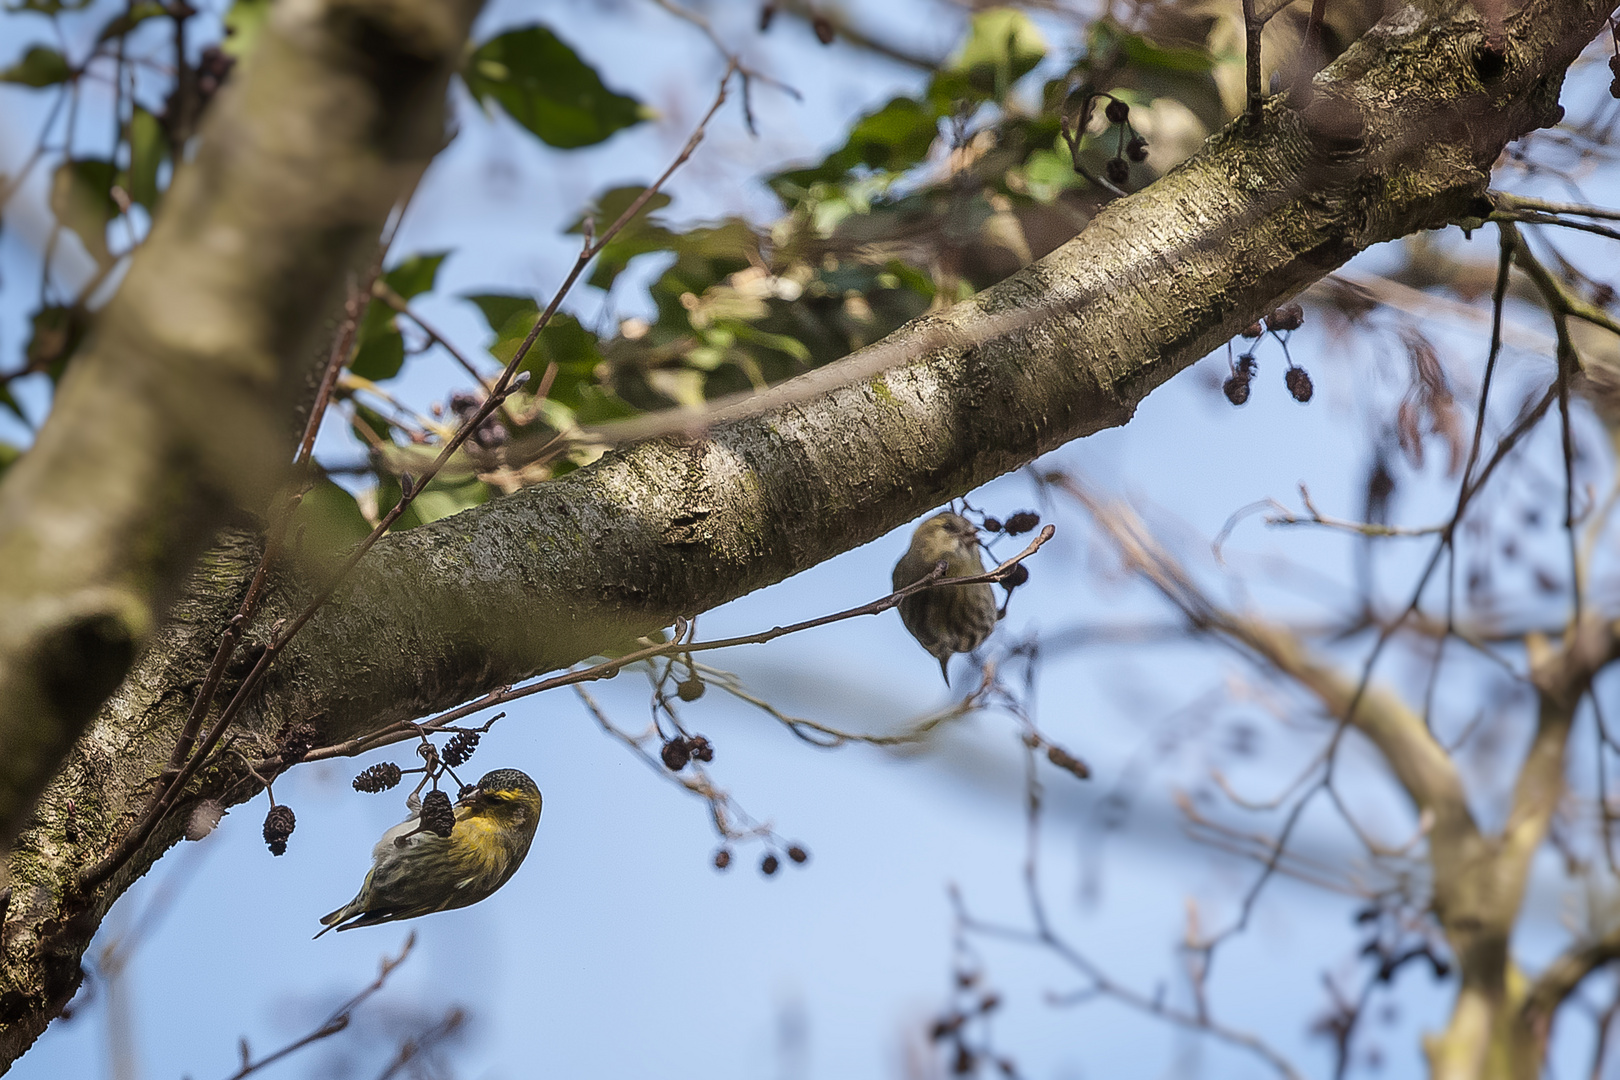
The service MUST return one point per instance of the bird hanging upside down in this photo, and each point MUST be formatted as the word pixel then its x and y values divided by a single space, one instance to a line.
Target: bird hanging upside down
pixel 416 871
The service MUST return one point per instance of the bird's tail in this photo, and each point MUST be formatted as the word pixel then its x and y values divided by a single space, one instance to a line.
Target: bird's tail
pixel 330 921
pixel 945 668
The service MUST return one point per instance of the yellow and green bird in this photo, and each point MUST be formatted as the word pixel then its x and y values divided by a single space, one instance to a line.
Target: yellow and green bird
pixel 415 871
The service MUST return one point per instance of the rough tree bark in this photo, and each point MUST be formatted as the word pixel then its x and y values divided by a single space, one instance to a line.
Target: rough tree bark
pixel 1399 135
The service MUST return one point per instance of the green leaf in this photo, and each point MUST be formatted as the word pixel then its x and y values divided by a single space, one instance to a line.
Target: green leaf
pixel 380 351
pixel 545 87
pixel 894 138
pixel 1002 46
pixel 511 318
pixel 782 343
pixel 328 522
pixel 441 498
pixel 415 275
pixel 380 357
pixel 1142 53
pixel 612 203
pixel 242 25
pixel 563 342
pixel 148 150
pixel 125 21
pixel 640 234
pixel 379 426
pixel 39 67
pixel 573 349
pixel 575 391
pixel 81 199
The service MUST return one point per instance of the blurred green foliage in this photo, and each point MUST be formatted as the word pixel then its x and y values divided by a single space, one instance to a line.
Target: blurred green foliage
pixel 928 198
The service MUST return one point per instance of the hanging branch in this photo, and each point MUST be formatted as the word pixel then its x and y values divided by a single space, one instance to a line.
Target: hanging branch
pixel 405 730
pixel 340 1019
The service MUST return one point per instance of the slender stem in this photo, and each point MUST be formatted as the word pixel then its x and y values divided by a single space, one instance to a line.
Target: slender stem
pixel 608 668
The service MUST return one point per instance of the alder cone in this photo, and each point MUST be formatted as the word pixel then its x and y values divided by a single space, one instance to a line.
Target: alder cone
pixel 278 825
pixel 1299 384
pixel 437 814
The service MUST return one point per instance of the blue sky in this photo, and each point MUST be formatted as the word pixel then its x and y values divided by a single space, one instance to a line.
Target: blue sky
pixel 618 950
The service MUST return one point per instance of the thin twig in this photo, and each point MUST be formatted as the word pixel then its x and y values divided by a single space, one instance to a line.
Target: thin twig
pixel 405 729
pixel 1045 936
pixel 338 1021
pixel 1252 25
pixel 733 58
pixel 1530 217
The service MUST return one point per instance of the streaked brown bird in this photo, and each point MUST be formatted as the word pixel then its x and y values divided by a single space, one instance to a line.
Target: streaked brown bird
pixel 948 619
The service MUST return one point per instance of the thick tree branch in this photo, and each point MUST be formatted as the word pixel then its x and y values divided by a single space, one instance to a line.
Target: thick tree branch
pixel 177 410
pixel 1399 136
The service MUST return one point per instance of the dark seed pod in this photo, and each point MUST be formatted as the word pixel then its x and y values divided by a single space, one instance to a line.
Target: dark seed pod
pixel 1288 317
pixel 379 777
pixel 1136 149
pixel 1254 330
pixel 689 690
pixel 700 748
pixel 278 825
pixel 1118 171
pixel 460 748
pixel 1299 384
pixel 992 524
pixel 769 864
pixel 946 1026
pixel 1117 112
pixel 1018 576
pixel 722 858
pixel 1068 762
pixel 966 1061
pixel 825 30
pixel 437 814
pixel 1236 389
pixel 767 14
pixel 798 854
pixel 676 753
pixel 990 1002
pixel 296 741
pixel 1022 522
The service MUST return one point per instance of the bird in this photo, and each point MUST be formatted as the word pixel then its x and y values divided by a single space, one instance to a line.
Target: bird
pixel 415 871
pixel 953 618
